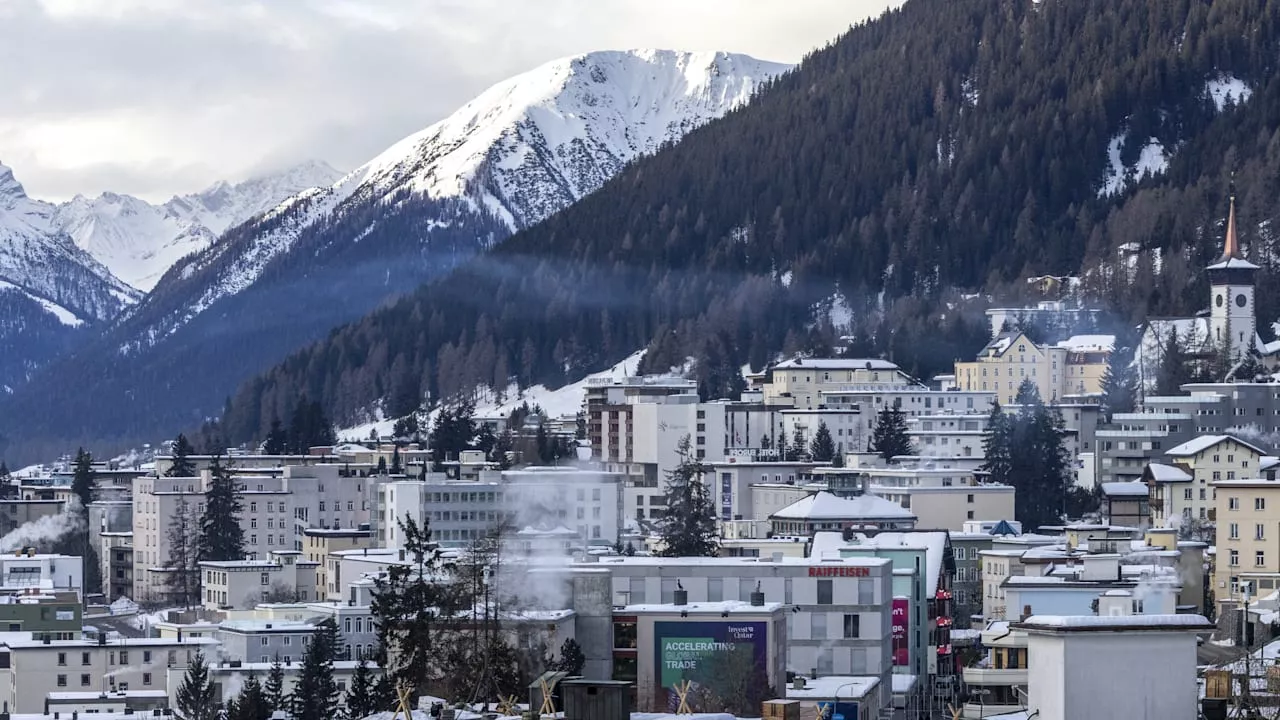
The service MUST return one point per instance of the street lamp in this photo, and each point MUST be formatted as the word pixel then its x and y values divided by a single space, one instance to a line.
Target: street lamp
pixel 835 700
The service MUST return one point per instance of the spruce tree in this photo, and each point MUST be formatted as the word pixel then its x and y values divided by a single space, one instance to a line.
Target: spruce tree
pixel 183 577
pixel 4 469
pixel 997 446
pixel 688 524
pixel 1119 383
pixel 823 448
pixel 361 699
pixel 221 536
pixel 82 487
pixel 315 695
pixel 889 436
pixel 275 443
pixel 195 696
pixel 571 658
pixel 408 602
pixel 396 467
pixel 274 688
pixel 1173 372
pixel 182 452
pixel 251 703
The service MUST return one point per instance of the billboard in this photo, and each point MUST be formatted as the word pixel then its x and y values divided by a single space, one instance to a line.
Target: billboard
pixel 828 710
pixel 726 496
pixel 695 651
pixel 901 645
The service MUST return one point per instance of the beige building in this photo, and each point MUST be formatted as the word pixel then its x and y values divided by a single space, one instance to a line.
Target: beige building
pixel 1070 368
pixel 800 383
pixel 32 670
pixel 242 584
pixel 1248 528
pixel 950 507
pixel 318 545
pixel 1208 459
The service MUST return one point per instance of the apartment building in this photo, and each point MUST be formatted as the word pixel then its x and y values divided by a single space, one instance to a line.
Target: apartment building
pixel 1071 368
pixel 734 477
pixel 284 577
pixel 608 403
pixel 948 436
pixel 32 670
pixel 276 510
pixel 319 544
pixel 1202 461
pixel 1248 528
pixel 26 570
pixel 802 382
pixel 824 511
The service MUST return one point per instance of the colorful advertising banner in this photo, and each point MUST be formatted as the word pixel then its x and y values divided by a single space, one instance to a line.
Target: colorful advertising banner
pixel 828 710
pixel 726 496
pixel 689 650
pixel 901 646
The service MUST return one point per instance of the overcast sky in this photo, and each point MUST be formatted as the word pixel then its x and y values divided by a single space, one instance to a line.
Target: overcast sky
pixel 157 97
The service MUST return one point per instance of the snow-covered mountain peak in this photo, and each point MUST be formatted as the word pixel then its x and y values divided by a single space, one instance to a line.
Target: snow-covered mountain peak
pixel 11 191
pixel 534 143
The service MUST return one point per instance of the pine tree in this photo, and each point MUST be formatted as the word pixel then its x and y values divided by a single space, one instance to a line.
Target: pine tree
pixel 221 537
pixel 571 658
pixel 997 446
pixel 82 487
pixel 195 696
pixel 823 448
pixel 889 437
pixel 408 602
pixel 1119 383
pixel 273 691
pixel 1028 452
pixel 275 443
pixel 251 703
pixel 182 465
pixel 454 430
pixel 315 695
pixel 1173 373
pixel 183 535
pixel 361 699
pixel 502 449
pixel 381 468
pixel 688 524
pixel 396 467
pixel 4 469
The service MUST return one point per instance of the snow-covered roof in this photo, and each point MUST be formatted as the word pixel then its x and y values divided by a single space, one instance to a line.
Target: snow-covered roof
pixel 834 686
pixel 1116 622
pixel 1198 445
pixel 1132 488
pixel 1232 263
pixel 1161 472
pixel 1089 343
pixel 718 608
pixel 934 543
pixel 825 506
pixel 836 364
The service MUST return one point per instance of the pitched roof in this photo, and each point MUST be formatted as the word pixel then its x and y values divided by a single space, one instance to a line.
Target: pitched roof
pixel 1197 445
pixel 836 364
pixel 1160 472
pixel 825 506
pixel 1089 343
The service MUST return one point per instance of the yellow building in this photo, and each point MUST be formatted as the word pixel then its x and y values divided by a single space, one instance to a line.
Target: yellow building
pixel 319 546
pixel 1248 512
pixel 801 382
pixel 1182 489
pixel 1072 367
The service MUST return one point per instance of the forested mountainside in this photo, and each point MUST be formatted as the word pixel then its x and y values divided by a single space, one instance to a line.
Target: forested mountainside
pixel 945 145
pixel 520 151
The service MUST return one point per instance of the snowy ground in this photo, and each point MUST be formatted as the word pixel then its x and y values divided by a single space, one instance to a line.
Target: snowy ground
pixel 561 402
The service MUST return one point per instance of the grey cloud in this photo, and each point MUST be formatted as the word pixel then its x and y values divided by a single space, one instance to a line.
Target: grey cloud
pixel 167 96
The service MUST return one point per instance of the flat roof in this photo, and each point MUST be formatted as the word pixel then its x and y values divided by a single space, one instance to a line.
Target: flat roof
pixel 1102 623
pixel 650 561
pixel 29 643
pixel 850 687
pixel 738 607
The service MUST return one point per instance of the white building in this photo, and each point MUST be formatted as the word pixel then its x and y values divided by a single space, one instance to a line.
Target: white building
pixel 1136 666
pixel 242 584
pixel 824 511
pixel 801 382
pixel 26 570
pixel 732 481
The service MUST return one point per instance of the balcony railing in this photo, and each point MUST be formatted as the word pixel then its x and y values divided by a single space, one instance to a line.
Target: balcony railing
pixel 990 676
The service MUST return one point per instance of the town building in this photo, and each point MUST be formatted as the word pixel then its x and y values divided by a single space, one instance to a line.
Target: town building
pixel 733 479
pixel 840 618
pixel 264 641
pixel 824 511
pixel 1246 511
pixel 802 382
pixel 1102 666
pixel 998 684
pixel 1072 368
pixel 31 670
pixel 320 543
pixel 242 584
pixel 658 646
pixel 1127 503
pixel 53 615
pixel 26 570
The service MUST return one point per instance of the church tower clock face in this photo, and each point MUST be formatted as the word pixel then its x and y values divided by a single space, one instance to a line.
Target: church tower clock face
pixel 1218 301
pixel 1241 300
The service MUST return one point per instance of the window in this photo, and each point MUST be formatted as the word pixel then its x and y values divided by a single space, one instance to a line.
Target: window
pixel 146 678
pixel 1235 558
pixel 1259 559
pixel 824 592
pixel 263 640
pixel 253 507
pixel 1260 503
pixel 346 625
pixel 1186 494
pixel 84 680
pixel 62 658
pixel 851 625
pixel 969 515
pixel 1234 529
pixel 146 656
pixel 1233 503
pixel 62 681
pixel 969 499
pixel 818 625
pixel 1258 531
pixel 288 640
pixel 84 658
pixel 124 657
pixel 265 579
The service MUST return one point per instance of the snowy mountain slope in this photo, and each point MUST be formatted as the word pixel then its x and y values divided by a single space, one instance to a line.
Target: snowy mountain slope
pixel 522 150
pixel 139 241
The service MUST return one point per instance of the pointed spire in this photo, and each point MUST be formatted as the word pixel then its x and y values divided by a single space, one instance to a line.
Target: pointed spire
pixel 1231 248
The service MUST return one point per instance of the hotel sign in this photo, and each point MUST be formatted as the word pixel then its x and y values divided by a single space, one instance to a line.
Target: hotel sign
pixel 840 571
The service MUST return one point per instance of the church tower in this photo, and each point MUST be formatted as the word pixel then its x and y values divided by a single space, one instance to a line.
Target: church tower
pixel 1231 312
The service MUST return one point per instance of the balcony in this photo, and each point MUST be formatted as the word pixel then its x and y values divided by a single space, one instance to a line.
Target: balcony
pixel 990 676
pixel 975 710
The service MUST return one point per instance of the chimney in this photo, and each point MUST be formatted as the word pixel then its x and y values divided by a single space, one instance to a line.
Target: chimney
pixel 1026 612
pixel 798 683
pixel 757 597
pixel 681 595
